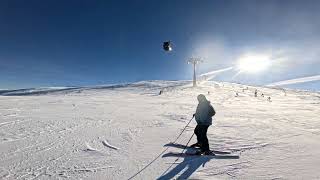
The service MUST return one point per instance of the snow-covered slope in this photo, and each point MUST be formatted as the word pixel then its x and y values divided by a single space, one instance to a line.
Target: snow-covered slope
pixel 113 131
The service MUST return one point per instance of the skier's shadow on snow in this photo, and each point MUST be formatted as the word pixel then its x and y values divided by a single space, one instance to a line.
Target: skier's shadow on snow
pixel 190 164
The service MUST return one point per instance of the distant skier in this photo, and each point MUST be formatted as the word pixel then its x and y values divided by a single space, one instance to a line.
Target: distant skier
pixel 203 117
pixel 256 93
pixel 236 94
pixel 269 99
pixel 284 91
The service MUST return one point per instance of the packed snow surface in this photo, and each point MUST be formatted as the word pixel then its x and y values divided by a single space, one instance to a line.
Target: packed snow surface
pixel 114 131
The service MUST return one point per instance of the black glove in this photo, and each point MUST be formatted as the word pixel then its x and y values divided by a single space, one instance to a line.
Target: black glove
pixel 193 115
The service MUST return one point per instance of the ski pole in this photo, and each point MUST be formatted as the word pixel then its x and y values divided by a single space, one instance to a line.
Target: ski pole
pixel 183 130
pixel 133 176
pixel 177 157
pixel 187 143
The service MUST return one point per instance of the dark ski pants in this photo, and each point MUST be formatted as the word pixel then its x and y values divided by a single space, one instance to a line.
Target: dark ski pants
pixel 201 132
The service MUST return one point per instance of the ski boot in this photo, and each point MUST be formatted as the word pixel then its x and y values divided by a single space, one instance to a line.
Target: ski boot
pixel 196 145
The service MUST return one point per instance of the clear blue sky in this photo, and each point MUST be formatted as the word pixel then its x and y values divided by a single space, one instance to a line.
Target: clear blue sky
pixel 76 42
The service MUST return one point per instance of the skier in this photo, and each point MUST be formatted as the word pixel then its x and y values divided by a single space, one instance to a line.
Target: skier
pixel 203 117
pixel 284 91
pixel 256 93
pixel 269 99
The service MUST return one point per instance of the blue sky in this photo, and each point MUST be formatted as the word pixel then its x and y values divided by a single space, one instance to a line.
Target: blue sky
pixel 78 43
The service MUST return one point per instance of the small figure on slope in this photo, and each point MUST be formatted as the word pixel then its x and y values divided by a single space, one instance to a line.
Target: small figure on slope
pixel 203 117
pixel 256 93
pixel 269 99
pixel 284 91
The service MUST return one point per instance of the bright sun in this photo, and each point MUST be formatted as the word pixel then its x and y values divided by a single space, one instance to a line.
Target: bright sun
pixel 253 63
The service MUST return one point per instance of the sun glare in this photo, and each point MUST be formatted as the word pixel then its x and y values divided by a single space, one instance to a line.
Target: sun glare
pixel 253 63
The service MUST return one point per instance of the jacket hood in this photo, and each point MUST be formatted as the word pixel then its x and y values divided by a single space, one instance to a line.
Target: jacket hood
pixel 201 98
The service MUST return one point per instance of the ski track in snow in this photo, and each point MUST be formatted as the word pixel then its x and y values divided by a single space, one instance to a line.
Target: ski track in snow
pixel 63 133
pixel 105 143
pixel 89 148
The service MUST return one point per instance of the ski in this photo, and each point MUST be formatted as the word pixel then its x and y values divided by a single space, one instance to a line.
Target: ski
pixel 181 146
pixel 215 156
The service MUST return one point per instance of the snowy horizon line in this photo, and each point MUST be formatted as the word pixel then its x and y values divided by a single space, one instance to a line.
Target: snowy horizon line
pixel 70 87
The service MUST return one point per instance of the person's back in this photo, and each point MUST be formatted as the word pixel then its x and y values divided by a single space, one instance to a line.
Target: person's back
pixel 203 116
pixel 204 113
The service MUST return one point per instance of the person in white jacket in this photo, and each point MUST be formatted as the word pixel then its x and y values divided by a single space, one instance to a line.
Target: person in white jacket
pixel 203 117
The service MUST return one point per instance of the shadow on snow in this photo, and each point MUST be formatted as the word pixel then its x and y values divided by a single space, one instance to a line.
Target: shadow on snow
pixel 189 164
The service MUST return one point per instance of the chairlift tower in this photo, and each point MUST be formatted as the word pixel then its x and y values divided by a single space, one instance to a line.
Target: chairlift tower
pixel 194 61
